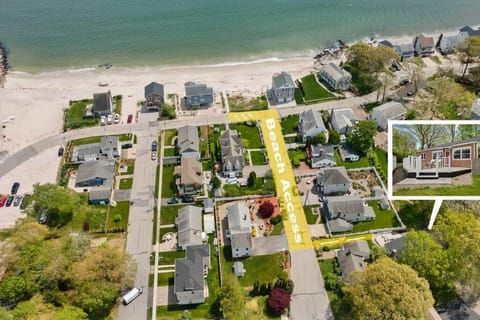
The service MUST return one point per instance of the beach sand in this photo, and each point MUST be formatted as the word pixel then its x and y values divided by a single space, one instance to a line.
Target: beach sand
pixel 36 101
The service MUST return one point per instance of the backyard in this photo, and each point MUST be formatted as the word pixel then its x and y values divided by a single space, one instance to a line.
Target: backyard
pixel 73 118
pixel 296 156
pixel 290 124
pixel 249 134
pixel 261 186
pixel 361 163
pixel 311 218
pixel 258 158
pixel 313 91
pixel 168 214
pixel 168 181
pixel 118 216
pixel 331 276
pixel 238 103
pixel 461 190
pixel 384 219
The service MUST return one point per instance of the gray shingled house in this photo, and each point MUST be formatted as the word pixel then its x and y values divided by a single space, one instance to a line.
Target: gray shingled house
pixel 198 95
pixel 189 227
pixel 332 181
pixel 188 142
pixel 154 96
pixel 95 174
pixel 310 124
pixel 388 111
pixel 353 257
pixel 283 88
pixel 343 120
pixel 107 149
pixel 188 176
pixel 349 208
pixel 190 273
pixel 424 46
pixel 231 149
pixel 322 156
pixel 102 104
pixel 239 230
pixel 347 153
pixel 336 77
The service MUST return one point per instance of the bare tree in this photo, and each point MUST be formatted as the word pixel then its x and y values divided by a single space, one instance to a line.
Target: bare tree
pixel 428 135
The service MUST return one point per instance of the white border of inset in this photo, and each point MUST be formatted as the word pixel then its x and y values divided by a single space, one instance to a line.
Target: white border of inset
pixel 390 164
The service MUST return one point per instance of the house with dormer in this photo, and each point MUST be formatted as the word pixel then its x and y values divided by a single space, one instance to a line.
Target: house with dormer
pixel 283 88
pixel 188 142
pixel 310 124
pixel 231 150
pixel 239 230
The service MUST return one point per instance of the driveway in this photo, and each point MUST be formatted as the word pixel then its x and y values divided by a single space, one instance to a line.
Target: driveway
pixel 165 296
pixel 269 245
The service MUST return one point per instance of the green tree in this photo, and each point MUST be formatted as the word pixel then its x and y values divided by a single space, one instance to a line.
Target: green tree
pixel 388 290
pixel 169 111
pixel 361 137
pixel 428 135
pixel 14 289
pixel 468 131
pixel 333 137
pixel 232 298
pixel 450 99
pixel 469 50
pixel 252 178
pixel 415 214
pixel 370 59
pixel 96 298
pixel 318 139
pixel 69 313
pixel 404 144
pixel 216 182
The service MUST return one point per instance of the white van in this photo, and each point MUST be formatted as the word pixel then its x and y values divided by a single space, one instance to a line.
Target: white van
pixel 131 295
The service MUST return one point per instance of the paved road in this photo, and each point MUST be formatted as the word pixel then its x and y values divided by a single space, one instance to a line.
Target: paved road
pixel 139 239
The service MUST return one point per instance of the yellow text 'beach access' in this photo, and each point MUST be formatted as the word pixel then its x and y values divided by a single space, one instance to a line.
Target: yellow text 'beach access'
pixel 296 227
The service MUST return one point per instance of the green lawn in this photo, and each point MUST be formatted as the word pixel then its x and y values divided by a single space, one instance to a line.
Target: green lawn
pixel 261 186
pixel 126 184
pixel 118 216
pixel 154 226
pixel 168 182
pixel 290 139
pixel 168 258
pixel 361 163
pixel 465 190
pixel 298 96
pixel 169 135
pixel 258 158
pixel 123 137
pixel 311 218
pixel 290 124
pixel 74 115
pixel 262 268
pixel 130 168
pixel 340 309
pixel 382 158
pixel 296 156
pixel 204 152
pixel 277 229
pixel 238 103
pixel 383 219
pixel 117 100
pixel 249 135
pixel 314 91
pixel 164 231
pixel 369 106
pixel 169 213
pixel 164 279
pixel 206 165
pixel 169 152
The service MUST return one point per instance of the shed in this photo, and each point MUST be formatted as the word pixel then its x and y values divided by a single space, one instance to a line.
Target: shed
pixel 238 269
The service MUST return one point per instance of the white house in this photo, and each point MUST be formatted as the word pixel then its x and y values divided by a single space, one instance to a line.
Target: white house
pixel 322 156
pixel 283 88
pixel 239 230
pixel 349 208
pixel 336 77
pixel 310 124
pixel 189 227
pixel 333 181
pixel 343 120
pixel 388 111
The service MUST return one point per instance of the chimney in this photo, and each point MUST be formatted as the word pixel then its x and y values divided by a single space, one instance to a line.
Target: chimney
pixel 245 217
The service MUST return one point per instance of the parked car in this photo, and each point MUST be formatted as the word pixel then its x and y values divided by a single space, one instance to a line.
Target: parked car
pixel 60 151
pixel 410 93
pixel 116 118
pixel 3 199
pixel 15 187
pixel 103 120
pixel 404 82
pixel 154 156
pixel 172 201
pixel 130 118
pixel 109 119
pixel 43 218
pixel 17 201
pixel 9 201
pixel 187 199
pixel 127 145
pixel 154 145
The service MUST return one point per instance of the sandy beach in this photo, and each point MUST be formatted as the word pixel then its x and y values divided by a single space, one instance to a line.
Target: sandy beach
pixel 36 101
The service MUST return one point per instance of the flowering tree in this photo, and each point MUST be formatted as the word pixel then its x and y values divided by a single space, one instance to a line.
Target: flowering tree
pixel 278 300
pixel 265 210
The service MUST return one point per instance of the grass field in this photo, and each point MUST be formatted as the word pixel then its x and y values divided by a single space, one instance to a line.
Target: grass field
pixel 239 103
pixel 168 258
pixel 382 158
pixel 290 124
pixel 118 215
pixel 465 190
pixel 126 184
pixel 258 158
pixel 169 152
pixel 298 97
pixel 168 182
pixel 169 135
pixel 314 91
pixel 339 307
pixel 169 213
pixel 311 218
pixel 249 135
pixel 361 163
pixel 384 219
pixel 74 115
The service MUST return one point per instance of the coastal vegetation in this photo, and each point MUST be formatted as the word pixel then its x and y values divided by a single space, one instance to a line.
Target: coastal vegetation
pixel 239 103
pixel 73 115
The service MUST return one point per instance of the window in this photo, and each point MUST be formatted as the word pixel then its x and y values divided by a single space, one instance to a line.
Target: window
pixel 461 153
pixel 423 156
pixel 437 155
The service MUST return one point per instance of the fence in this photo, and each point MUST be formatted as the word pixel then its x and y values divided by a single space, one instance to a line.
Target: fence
pixel 476 167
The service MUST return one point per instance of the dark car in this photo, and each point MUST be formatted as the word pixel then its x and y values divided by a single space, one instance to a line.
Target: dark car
pixel 404 82
pixel 15 187
pixel 127 145
pixel 9 201
pixel 410 93
pixel 130 118
pixel 186 199
pixel 154 146
pixel 3 199
pixel 172 201
pixel 17 201
pixel 60 151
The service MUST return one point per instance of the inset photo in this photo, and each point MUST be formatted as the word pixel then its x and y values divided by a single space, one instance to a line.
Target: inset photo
pixel 429 159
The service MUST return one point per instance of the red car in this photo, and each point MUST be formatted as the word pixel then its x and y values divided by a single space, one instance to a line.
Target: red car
pixel 3 199
pixel 130 118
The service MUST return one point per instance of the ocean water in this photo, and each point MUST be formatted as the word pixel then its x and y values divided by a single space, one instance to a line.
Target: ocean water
pixel 66 34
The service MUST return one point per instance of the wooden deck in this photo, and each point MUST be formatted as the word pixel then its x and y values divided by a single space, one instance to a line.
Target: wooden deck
pixel 442 173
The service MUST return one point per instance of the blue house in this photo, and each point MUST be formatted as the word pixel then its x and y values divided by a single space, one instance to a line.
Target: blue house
pixel 198 95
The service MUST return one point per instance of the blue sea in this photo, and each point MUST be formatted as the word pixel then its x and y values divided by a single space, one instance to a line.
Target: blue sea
pixel 46 35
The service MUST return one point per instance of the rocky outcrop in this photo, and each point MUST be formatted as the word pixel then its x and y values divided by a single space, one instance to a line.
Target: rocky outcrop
pixel 3 64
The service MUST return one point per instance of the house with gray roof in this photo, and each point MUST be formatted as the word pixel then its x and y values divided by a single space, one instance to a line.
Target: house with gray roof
pixel 188 176
pixel 239 230
pixel 448 44
pixel 395 247
pixel 310 124
pixel 95 174
pixel 475 113
pixel 283 88
pixel 154 96
pixel 469 31
pixel 347 154
pixel 322 156
pixel 189 227
pixel 99 196
pixel 189 285
pixel 424 46
pixel 107 149
pixel 339 225
pixel 349 208
pixel 102 104
pixel 336 77
pixel 198 95
pixel 332 181
pixel 405 51
pixel 388 111
pixel 353 257
pixel 188 142
pixel 343 120
pixel 231 150
pixel 208 205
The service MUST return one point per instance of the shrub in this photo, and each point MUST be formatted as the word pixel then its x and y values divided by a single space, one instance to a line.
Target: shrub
pixel 276 220
pixel 278 300
pixel 326 248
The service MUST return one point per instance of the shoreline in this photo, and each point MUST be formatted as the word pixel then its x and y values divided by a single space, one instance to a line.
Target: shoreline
pixel 306 54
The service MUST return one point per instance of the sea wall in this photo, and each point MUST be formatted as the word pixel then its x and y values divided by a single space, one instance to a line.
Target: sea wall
pixel 3 64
